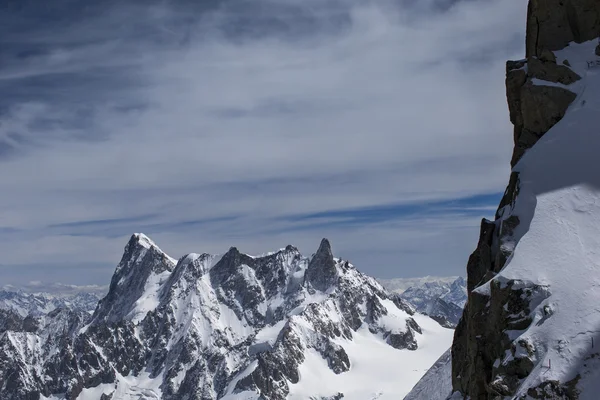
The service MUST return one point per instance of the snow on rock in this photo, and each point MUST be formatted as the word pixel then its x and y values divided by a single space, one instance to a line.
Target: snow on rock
pixel 532 325
pixel 278 326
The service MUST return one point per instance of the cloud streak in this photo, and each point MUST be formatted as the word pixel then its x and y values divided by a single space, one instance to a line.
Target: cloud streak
pixel 218 126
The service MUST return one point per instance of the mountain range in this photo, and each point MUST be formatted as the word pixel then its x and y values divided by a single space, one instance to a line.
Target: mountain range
pixel 234 326
pixel 441 298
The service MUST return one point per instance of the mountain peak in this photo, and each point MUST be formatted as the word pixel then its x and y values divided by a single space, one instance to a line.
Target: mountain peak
pixel 322 273
pixel 291 249
pixel 325 245
pixel 143 240
pixel 141 269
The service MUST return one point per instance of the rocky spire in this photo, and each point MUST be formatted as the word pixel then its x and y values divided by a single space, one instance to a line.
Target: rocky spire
pixel 322 273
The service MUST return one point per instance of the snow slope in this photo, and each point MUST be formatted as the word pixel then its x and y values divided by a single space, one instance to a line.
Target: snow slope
pixel 378 372
pixel 436 384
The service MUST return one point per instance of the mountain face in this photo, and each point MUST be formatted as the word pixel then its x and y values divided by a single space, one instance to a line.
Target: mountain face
pixel 280 326
pixel 37 304
pixel 528 329
pixel 442 299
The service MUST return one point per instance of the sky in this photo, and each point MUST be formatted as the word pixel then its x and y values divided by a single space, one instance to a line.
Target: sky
pixel 379 124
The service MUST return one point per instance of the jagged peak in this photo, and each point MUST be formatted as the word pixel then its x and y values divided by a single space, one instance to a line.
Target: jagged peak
pixel 139 242
pixel 291 249
pixel 325 246
pixel 142 240
pixel 322 273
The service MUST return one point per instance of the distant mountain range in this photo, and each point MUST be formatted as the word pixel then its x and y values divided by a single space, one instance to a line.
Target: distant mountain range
pixel 442 298
pixel 36 304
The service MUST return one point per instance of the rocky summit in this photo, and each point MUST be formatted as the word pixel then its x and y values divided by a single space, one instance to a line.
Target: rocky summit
pixel 222 327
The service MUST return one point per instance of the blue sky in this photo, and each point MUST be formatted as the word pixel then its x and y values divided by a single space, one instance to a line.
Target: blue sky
pixel 381 125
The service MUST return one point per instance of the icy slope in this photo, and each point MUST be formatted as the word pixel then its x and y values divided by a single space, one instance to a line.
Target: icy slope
pixel 436 384
pixel 204 327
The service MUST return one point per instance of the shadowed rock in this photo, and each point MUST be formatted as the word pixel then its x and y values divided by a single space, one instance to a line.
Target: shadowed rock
pixel 322 273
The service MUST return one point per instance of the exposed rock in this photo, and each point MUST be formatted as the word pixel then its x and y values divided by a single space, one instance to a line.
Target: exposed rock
pixel 535 108
pixel 548 70
pixel 482 338
pixel 547 56
pixel 321 273
pixel 480 261
pixel 554 390
pixel 337 396
pixel 543 106
pixel 552 24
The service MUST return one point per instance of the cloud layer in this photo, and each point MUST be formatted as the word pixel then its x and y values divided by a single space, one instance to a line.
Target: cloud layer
pixel 381 125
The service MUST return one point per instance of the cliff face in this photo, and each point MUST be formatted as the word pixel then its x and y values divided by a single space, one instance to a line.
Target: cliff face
pixel 551 26
pixel 496 353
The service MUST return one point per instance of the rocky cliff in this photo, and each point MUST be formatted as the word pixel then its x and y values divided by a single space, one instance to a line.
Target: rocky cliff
pixel 503 346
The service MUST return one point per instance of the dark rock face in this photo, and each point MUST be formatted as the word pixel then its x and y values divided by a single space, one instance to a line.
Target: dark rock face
pixel 534 108
pixel 321 273
pixel 482 337
pixel 11 321
pixel 553 24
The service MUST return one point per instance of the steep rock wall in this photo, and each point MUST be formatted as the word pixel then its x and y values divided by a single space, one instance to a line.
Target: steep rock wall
pixel 538 96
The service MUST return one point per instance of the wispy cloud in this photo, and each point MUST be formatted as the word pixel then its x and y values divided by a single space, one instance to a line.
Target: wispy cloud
pixel 219 124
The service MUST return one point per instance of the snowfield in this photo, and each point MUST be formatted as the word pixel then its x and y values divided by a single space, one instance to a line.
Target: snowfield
pixel 377 372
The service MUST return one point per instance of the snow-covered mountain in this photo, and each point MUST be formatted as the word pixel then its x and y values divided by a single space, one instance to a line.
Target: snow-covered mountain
pixel 399 285
pixel 37 304
pixel 442 299
pixel 530 328
pixel 280 326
